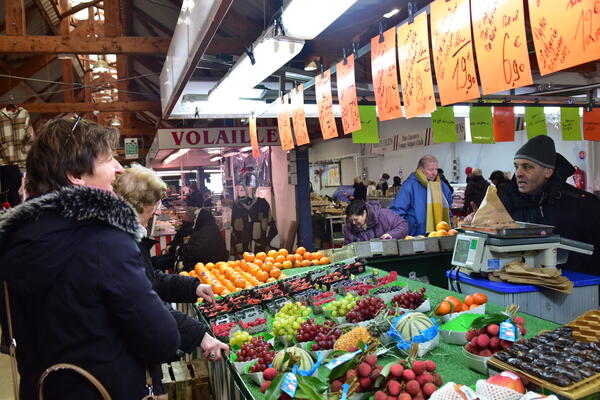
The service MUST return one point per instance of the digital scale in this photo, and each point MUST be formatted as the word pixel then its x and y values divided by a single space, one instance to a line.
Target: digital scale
pixel 483 249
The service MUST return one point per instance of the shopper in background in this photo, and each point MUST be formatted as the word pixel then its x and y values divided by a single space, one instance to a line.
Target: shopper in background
pixel 365 221
pixel 144 191
pixel 423 200
pixel 360 190
pixel 475 191
pixel 383 184
pixel 167 260
pixel 499 180
pixel 78 292
pixel 206 244
pixel 468 172
pixel 443 179
pixel 396 185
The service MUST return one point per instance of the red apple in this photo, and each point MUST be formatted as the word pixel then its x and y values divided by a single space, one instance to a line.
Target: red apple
pixel 508 380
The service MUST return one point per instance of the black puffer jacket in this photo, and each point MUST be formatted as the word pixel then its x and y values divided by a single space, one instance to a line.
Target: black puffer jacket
pixel 79 295
pixel 575 213
pixel 206 244
pixel 475 192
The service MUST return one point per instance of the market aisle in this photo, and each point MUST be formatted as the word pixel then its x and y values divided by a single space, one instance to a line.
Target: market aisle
pixel 5 378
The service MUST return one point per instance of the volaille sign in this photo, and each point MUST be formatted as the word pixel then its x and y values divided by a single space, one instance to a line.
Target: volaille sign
pixel 214 137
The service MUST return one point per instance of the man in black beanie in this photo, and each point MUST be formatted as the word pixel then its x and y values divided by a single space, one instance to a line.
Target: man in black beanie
pixel 538 193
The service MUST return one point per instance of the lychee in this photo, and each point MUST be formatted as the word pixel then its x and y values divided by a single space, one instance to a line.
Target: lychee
pixel 430 365
pixel 408 375
pixel 393 388
pixel 404 396
pixel 469 347
pixel 522 329
pixel 483 341
pixel 495 342
pixel 396 370
pixel 265 385
pixel 413 387
pixel 505 344
pixel 269 374
pixel 371 359
pixel 437 379
pixel 485 353
pixel 418 367
pixel 375 373
pixel 350 375
pixel 363 370
pixel 473 342
pixel 428 377
pixel 336 385
pixel 390 397
pixel 365 383
pixel 422 380
pixel 380 395
pixel 493 330
pixel 471 334
pixel 519 320
pixel 428 390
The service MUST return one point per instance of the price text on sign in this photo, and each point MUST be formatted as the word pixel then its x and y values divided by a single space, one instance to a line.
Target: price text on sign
pixel 298 116
pixel 385 78
pixel 415 67
pixel 325 105
pixel 346 87
pixel 565 32
pixel 453 51
pixel 499 29
pixel 283 123
pixel 253 137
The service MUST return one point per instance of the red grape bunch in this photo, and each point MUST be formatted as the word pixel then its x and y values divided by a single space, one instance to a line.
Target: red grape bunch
pixel 366 308
pixel 409 300
pixel 257 349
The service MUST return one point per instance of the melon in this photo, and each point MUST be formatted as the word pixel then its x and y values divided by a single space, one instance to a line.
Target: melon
pixel 297 356
pixel 413 324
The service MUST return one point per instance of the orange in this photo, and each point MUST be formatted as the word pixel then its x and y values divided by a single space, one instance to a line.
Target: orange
pixel 469 300
pixel 270 259
pixel 291 258
pixel 280 258
pixel 452 232
pixel 298 258
pixel 239 282
pixel 209 266
pixel 318 255
pixel 184 273
pixel 442 226
pixel 258 262
pixel 262 276
pixel 261 256
pixel 443 308
pixel 479 298
pixel 325 261
pixel 456 302
pixel 275 273
pixel 300 250
pixel 249 257
pixel 283 252
pixel 472 306
pixel 307 256
pixel 442 233
pixel 267 266
pixel 272 253
pixel 218 289
pixel 193 273
pixel 432 234
pixel 277 265
pixel 286 264
pixel 305 263
pixel 271 279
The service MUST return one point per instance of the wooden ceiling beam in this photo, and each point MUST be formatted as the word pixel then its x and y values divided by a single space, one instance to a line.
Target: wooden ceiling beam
pixel 46 17
pixel 4 67
pixel 78 7
pixel 84 45
pixel 14 17
pixel 25 70
pixel 49 108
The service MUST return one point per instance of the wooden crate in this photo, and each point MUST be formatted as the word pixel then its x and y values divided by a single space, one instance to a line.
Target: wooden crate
pixel 186 380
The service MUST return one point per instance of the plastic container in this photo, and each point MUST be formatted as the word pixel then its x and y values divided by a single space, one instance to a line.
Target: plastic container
pixel 455 330
pixel 475 362
pixel 407 247
pixel 477 310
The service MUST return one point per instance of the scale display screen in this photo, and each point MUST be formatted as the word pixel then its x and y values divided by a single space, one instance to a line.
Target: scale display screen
pixel 461 251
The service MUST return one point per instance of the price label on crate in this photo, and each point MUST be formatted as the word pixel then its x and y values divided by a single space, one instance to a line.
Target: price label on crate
pixel 419 246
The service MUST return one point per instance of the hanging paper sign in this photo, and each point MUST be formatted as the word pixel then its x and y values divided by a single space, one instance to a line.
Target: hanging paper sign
pixel 443 125
pixel 535 121
pixel 385 76
pixel 415 67
pixel 253 137
pixel 499 35
pixel 570 123
pixel 283 123
pixel 504 124
pixel 131 148
pixel 346 88
pixel 482 125
pixel 453 51
pixel 591 124
pixel 369 132
pixel 298 116
pixel 565 32
pixel 325 105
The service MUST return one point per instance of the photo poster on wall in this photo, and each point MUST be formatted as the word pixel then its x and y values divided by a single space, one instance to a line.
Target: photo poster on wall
pixel 330 175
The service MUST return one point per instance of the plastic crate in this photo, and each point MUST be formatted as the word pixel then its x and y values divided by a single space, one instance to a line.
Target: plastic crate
pixel 407 247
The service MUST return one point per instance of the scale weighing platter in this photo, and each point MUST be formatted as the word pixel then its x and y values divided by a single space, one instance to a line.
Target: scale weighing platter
pixel 525 230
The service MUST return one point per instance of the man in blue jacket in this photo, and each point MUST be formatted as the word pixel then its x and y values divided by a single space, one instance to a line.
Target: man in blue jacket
pixel 411 202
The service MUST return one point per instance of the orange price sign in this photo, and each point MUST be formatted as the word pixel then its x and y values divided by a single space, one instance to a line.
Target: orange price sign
pixel 504 124
pixel 499 35
pixel 453 51
pixel 283 123
pixel 415 67
pixel 253 137
pixel 325 105
pixel 346 87
pixel 565 32
pixel 591 124
pixel 298 116
pixel 385 76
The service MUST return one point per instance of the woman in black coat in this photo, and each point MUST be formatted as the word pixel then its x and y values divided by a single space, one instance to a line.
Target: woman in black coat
pixel 206 244
pixel 475 191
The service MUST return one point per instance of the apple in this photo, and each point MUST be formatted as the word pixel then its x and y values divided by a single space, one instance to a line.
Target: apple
pixel 508 380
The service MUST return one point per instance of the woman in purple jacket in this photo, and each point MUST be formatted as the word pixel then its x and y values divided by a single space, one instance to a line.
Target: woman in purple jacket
pixel 365 221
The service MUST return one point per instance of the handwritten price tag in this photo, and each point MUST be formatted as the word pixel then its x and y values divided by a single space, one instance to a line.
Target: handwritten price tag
pixel 346 87
pixel 298 116
pixel 325 105
pixel 504 124
pixel 253 137
pixel 453 51
pixel 591 124
pixel 283 123
pixel 385 76
pixel 570 123
pixel 565 32
pixel 415 67
pixel 499 35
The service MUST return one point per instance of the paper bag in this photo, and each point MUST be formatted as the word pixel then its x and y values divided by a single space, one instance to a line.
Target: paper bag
pixel 492 213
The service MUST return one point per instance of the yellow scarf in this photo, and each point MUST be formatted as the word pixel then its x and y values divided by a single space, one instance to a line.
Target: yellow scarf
pixel 437 205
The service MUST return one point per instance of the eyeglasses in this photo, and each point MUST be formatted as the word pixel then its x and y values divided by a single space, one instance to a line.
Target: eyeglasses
pixel 75 124
pixel 157 207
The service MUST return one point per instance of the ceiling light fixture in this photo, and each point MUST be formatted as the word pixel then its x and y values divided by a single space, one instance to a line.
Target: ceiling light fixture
pixel 216 158
pixel 100 66
pixel 311 66
pixel 321 14
pixel 115 122
pixel 391 13
pixel 245 149
pixel 230 153
pixel 174 156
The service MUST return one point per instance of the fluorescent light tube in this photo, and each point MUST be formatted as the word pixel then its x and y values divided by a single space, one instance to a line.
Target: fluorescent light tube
pixel 306 19
pixel 174 156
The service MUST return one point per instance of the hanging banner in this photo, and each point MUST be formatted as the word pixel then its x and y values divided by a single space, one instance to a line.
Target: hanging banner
pixel 325 105
pixel 591 124
pixel 253 137
pixel 346 89
pixel 482 125
pixel 298 116
pixel 499 35
pixel 385 145
pixel 415 67
pixel 504 124
pixel 283 123
pixel 131 148
pixel 535 121
pixel 369 132
pixel 443 125
pixel 385 75
pixel 570 123
pixel 565 33
pixel 453 51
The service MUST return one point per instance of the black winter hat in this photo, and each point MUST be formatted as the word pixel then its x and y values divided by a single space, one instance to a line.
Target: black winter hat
pixel 540 150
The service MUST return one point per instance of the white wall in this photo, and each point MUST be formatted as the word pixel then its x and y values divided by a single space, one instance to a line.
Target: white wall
pixel 324 150
pixel 284 194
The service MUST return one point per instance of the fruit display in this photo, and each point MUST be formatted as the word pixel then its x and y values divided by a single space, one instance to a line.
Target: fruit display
pixel 324 335
pixel 256 349
pixel 410 383
pixel 254 325
pixel 413 324
pixel 442 229
pixel 223 330
pixel 291 356
pixel 341 307
pixel 452 304
pixel 409 300
pixel 288 320
pixel 366 308
pixel 350 341
pixel 239 338
pixel 484 337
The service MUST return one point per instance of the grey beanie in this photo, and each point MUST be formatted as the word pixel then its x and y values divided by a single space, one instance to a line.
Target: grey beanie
pixel 540 150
